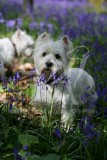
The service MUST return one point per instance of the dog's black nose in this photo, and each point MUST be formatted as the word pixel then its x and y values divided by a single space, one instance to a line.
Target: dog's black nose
pixel 48 64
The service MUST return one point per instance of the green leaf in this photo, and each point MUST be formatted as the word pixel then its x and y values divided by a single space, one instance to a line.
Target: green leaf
pixel 34 157
pixel 31 91
pixel 22 153
pixel 1 89
pixel 51 157
pixel 65 158
pixel 27 139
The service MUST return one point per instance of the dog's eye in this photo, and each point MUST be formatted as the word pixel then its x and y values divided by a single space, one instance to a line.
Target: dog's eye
pixel 44 54
pixel 57 56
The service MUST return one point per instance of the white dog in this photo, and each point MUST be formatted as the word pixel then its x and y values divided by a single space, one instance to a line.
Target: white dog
pixel 18 45
pixel 51 57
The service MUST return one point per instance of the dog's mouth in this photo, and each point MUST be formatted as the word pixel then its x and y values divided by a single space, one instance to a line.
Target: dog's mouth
pixel 47 72
pixel 50 76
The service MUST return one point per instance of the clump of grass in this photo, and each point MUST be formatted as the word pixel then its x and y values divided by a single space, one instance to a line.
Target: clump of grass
pixel 40 138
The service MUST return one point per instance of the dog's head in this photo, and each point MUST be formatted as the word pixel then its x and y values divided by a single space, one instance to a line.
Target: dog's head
pixel 51 56
pixel 23 42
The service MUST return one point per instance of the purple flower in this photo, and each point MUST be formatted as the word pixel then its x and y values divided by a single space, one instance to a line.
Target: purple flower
pixel 19 22
pixel 57 133
pixel 16 77
pixel 41 80
pixel 54 76
pixel 12 99
pixel 33 25
pixel 2 21
pixel 104 92
pixel 105 112
pixel 10 79
pixel 81 123
pixel 1 15
pixel 10 23
pixel 50 27
pixel 11 107
pixel 88 128
pixel 90 132
pixel 16 155
pixel 4 82
pixel 31 73
pixel 56 79
pixel 25 148
pixel 42 26
pixel 9 89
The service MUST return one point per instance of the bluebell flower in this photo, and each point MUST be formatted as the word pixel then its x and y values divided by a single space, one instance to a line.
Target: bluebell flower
pixel 105 112
pixel 10 23
pixel 54 76
pixel 14 80
pixel 1 15
pixel 12 99
pixel 31 73
pixel 10 107
pixel 41 80
pixel 2 21
pixel 90 132
pixel 50 28
pixel 10 79
pixel 81 123
pixel 16 155
pixel 42 26
pixel 19 22
pixel 9 89
pixel 33 25
pixel 16 77
pixel 56 79
pixel 25 148
pixel 57 133
pixel 4 82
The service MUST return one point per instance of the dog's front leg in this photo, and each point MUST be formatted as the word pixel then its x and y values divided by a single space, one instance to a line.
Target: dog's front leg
pixel 9 70
pixel 67 115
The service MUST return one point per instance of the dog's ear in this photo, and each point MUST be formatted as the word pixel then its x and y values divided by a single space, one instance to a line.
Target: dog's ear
pixel 45 35
pixel 19 33
pixel 68 45
pixel 43 38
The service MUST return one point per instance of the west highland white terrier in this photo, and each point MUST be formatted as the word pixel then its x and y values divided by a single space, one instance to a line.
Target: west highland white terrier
pixel 52 60
pixel 18 45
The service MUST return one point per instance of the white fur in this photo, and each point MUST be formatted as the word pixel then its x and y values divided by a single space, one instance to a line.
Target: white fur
pixel 67 97
pixel 23 43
